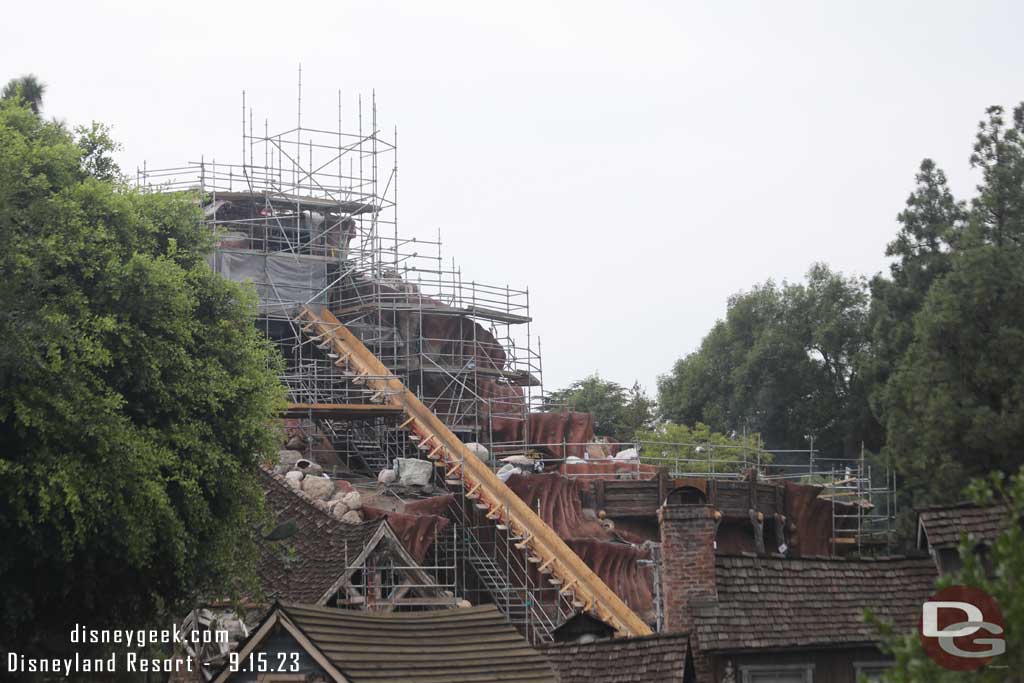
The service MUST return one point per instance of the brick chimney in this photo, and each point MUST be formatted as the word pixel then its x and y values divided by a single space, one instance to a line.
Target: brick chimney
pixel 687 561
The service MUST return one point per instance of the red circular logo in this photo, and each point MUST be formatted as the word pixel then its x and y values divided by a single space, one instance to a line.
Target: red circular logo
pixel 961 628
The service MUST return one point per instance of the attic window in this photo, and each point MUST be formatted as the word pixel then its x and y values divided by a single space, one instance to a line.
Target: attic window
pixel 794 673
pixel 870 671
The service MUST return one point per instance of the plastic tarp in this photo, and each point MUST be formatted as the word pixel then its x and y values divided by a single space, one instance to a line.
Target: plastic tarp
pixel 282 280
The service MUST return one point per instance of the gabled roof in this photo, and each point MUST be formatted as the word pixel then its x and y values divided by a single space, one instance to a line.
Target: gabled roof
pixel 307 565
pixel 657 658
pixel 582 624
pixel 471 645
pixel 766 602
pixel 942 525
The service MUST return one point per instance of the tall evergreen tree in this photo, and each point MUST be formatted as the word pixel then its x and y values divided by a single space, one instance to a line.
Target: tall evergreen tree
pixel 997 213
pixel 930 227
pixel 954 405
pixel 27 89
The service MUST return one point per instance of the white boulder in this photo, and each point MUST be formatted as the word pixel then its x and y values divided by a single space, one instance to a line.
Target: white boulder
pixel 352 517
pixel 479 450
pixel 412 472
pixel 387 477
pixel 353 500
pixel 628 454
pixel 318 487
pixel 337 508
pixel 294 479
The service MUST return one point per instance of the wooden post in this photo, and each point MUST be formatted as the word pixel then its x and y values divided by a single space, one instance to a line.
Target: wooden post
pixel 599 494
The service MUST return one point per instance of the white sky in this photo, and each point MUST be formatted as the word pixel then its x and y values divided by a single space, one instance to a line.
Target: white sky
pixel 633 163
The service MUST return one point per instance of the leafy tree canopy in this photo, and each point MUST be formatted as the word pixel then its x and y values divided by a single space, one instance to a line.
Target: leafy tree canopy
pixel 135 395
pixel 784 363
pixel 998 573
pixel 618 412
pixel 698 449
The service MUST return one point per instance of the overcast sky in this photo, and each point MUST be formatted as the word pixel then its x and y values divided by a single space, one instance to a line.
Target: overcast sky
pixel 634 163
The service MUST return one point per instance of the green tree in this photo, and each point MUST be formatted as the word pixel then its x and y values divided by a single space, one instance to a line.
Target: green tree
pixel 27 89
pixel 698 449
pixel 954 405
pixel 998 574
pixel 618 412
pixel 96 145
pixel 784 363
pixel 997 213
pixel 930 227
pixel 135 398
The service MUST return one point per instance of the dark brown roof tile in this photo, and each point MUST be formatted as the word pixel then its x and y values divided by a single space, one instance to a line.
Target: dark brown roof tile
pixel 650 659
pixel 436 646
pixel 303 568
pixel 770 602
pixel 943 525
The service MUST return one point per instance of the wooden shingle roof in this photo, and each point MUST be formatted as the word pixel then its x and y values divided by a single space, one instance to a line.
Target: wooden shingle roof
pixel 766 602
pixel 942 525
pixel 471 645
pixel 303 567
pixel 658 658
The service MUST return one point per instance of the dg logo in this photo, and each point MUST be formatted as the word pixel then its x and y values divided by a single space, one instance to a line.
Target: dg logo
pixel 962 628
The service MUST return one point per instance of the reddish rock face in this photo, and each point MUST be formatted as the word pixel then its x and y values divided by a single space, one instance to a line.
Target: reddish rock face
pixel 557 500
pixel 574 429
pixel 417 531
pixel 548 431
pixel 810 520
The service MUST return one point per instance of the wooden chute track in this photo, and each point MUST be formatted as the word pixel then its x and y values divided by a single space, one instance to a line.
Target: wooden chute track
pixel 563 568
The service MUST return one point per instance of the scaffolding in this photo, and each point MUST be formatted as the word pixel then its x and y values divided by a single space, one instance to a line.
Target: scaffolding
pixel 383 583
pixel 863 495
pixel 310 216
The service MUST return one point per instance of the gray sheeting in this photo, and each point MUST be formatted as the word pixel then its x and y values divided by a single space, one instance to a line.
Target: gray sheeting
pixel 282 280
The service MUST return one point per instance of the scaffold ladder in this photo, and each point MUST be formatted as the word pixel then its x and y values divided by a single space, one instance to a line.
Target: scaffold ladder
pixel 482 486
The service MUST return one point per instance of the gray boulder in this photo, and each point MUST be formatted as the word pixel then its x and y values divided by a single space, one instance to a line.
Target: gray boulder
pixel 288 458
